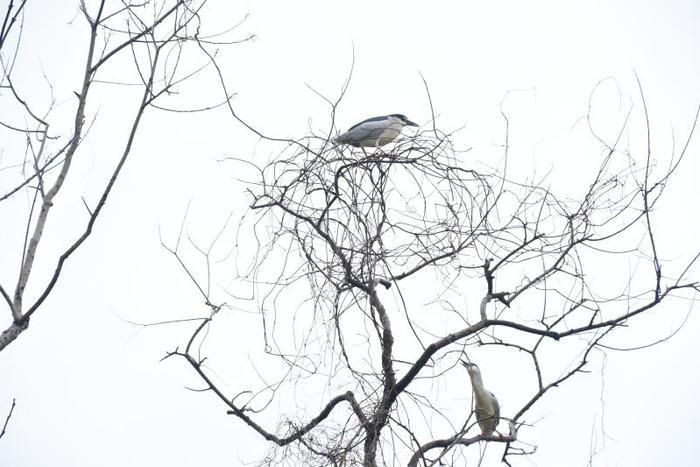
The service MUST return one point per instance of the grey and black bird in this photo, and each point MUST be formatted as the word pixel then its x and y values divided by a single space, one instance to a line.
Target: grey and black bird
pixel 486 407
pixel 375 131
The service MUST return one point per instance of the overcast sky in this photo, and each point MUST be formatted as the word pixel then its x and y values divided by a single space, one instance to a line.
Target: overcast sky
pixel 89 386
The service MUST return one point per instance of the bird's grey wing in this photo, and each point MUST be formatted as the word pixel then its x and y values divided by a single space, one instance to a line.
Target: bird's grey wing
pixel 367 130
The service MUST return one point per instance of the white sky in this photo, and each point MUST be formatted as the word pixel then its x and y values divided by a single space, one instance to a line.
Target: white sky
pixel 89 387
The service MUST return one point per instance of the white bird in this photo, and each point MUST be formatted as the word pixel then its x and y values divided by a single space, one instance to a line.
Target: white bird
pixel 486 406
pixel 375 131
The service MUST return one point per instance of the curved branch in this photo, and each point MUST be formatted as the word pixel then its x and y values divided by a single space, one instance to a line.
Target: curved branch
pixel 298 433
pixel 455 441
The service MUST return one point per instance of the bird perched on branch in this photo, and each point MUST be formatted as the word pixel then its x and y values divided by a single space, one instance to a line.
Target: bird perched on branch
pixel 486 406
pixel 375 131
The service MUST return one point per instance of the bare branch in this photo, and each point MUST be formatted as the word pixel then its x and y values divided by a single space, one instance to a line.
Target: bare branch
pixel 7 419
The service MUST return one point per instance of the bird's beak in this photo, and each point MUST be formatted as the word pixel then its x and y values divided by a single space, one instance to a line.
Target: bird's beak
pixel 466 363
pixel 410 123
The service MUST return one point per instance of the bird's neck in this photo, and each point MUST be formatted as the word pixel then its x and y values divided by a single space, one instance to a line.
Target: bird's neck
pixel 478 386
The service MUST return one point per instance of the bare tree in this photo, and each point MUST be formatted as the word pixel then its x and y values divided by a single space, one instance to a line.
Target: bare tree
pixel 357 227
pixel 154 45
pixel 373 273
